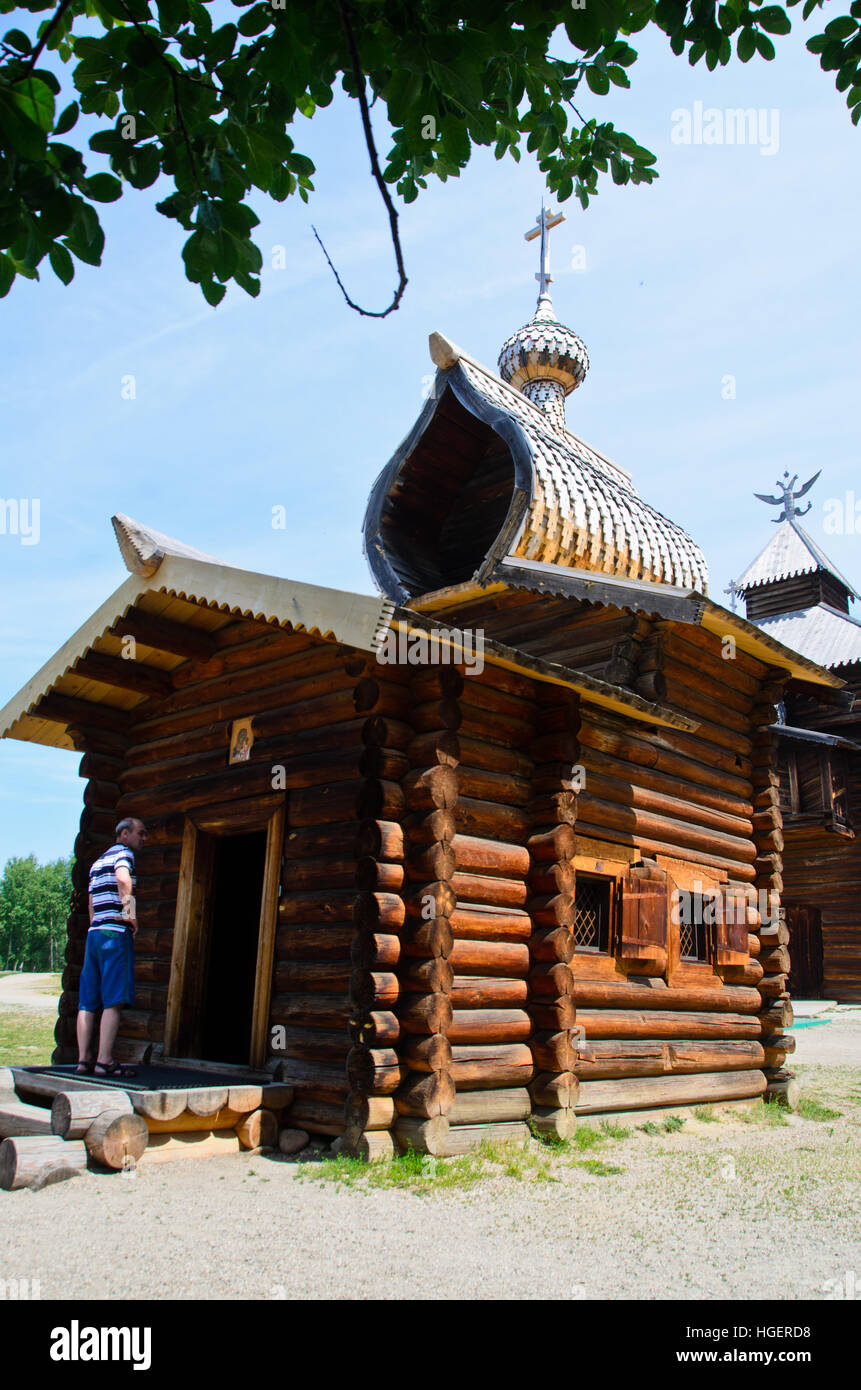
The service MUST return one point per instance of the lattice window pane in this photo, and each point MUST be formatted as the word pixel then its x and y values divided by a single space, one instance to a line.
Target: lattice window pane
pixel 592 914
pixel 693 937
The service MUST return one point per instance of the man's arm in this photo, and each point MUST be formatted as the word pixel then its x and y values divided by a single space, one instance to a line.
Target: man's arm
pixel 92 909
pixel 124 884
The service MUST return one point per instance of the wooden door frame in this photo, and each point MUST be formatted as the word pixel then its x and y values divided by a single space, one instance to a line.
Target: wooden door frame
pixel 203 827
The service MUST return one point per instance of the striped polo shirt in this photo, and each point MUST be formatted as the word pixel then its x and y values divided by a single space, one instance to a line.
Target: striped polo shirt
pixel 107 906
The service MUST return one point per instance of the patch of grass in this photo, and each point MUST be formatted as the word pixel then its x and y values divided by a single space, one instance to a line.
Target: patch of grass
pixel 650 1127
pixel 597 1167
pixel 26 1036
pixel 761 1113
pixel 810 1109
pixel 585 1137
pixel 613 1130
pixel 672 1124
pixel 706 1113
pixel 546 1136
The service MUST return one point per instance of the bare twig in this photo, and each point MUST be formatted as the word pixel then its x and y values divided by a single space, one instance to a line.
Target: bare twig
pixel 359 79
pixel 33 57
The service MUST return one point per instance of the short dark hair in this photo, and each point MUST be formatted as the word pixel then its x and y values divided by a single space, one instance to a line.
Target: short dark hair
pixel 127 824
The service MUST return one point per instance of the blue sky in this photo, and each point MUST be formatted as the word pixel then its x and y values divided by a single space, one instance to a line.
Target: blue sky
pixel 735 262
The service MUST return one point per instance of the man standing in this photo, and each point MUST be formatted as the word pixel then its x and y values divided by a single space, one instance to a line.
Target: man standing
pixel 107 977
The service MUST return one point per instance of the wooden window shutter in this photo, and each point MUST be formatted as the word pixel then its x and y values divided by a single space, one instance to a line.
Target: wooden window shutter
pixel 731 928
pixel 645 910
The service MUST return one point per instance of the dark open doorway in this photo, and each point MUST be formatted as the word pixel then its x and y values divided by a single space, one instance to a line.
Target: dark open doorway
pixel 806 973
pixel 228 997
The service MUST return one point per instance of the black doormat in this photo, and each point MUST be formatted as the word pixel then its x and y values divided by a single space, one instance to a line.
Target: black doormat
pixel 149 1078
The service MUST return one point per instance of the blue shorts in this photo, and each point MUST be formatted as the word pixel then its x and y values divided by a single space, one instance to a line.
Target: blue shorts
pixel 107 978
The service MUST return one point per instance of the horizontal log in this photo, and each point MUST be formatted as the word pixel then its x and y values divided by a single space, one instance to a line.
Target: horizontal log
pixel 315 1044
pixel 462 1139
pixel 600 1060
pixel 645 1092
pixel 431 862
pixel 664 1023
pixel 318 1117
pixel 424 940
pixel 495 892
pixel 486 992
pixel 378 912
pixel 425 1094
pixel 433 976
pixel 427 1054
pixel 423 1136
pixel 423 1014
pixel 72 1112
pixel 553 1051
pixel 318 943
pixel 496 1025
pixel 555 1090
pixel 490 857
pixel 380 839
pixel 363 1112
pixel 335 905
pixel 374 989
pixel 377 1028
pixel 375 1071
pixel 491 820
pixel 383 731
pixel 33 1160
pixel 508 960
pixel 549 846
pixel 310 1010
pixel 481 1067
pixel 320 1080
pixel 312 976
pixel 598 994
pixel 490 1107
pixel 493 924
pixel 498 787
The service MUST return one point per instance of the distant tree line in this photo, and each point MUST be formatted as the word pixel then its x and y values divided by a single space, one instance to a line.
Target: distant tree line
pixel 34 908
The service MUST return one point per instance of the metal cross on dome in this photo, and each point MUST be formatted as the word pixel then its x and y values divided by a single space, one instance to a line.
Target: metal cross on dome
pixel 546 220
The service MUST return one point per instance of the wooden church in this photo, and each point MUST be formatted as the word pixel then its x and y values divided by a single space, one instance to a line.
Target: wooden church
pixel 794 593
pixel 500 847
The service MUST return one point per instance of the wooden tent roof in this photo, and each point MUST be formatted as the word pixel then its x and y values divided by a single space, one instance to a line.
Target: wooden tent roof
pixel 789 552
pixel 174 603
pixel 569 505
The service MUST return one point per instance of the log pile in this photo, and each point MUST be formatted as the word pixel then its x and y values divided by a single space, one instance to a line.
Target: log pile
pixel 426 1092
pixel 373 1070
pixel 552 845
pixel 776 1012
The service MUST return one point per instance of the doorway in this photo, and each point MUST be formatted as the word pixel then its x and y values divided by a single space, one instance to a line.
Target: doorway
pixel 228 994
pixel 224 933
pixel 806 969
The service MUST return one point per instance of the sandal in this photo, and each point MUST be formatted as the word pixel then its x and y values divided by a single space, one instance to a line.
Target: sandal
pixel 115 1070
pixel 84 1069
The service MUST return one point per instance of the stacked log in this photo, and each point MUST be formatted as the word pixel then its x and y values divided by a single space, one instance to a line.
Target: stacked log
pixel 776 1012
pixel 320 914
pixel 373 1069
pixel 491 1061
pixel 426 1094
pixel 552 845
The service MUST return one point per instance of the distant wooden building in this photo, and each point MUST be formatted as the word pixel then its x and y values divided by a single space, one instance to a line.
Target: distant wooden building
pixel 493 854
pixel 795 594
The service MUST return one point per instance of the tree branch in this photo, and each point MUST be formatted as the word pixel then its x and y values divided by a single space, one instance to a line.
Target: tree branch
pixel 176 100
pixel 33 57
pixel 359 79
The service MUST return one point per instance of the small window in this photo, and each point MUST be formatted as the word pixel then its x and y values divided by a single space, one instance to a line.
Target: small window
pixel 593 910
pixel 696 918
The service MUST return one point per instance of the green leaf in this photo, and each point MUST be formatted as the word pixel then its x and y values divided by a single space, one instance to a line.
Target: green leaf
pixel 842 28
pixel 598 81
pixel 67 119
pixel 773 19
pixel 7 275
pixel 35 100
pixel 254 21
pixel 764 46
pixel 213 293
pixel 746 45
pixel 61 262
pixel 18 40
pixel 104 188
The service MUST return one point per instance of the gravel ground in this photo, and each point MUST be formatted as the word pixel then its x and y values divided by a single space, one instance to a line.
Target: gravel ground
pixel 723 1209
pixel 31 990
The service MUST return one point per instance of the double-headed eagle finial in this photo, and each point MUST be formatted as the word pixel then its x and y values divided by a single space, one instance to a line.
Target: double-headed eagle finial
pixel 788 497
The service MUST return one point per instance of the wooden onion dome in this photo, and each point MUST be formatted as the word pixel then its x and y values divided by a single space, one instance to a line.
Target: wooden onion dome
pixel 491 471
pixel 544 360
